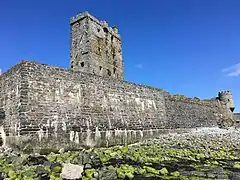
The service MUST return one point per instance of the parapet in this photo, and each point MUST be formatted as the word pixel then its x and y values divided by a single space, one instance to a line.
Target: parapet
pixel 222 93
pixel 195 100
pixel 113 30
pixel 82 16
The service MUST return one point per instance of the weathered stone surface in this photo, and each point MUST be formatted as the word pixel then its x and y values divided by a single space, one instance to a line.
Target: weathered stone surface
pixel 64 109
pixel 71 171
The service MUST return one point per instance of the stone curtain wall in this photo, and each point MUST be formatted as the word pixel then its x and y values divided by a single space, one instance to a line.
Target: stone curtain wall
pixel 83 108
pixel 184 112
pixel 73 109
pixel 10 103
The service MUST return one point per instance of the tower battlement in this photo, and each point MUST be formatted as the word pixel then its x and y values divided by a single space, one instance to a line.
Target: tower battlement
pixel 227 92
pixel 113 30
pixel 227 98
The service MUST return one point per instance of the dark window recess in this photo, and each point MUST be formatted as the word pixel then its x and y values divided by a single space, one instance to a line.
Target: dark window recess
pixel 108 72
pixel 114 70
pixel 99 49
pixel 2 114
pixel 82 64
pixel 106 52
pixel 83 53
pixel 71 66
pixel 105 30
pixel 112 38
pixel 98 30
pixel 113 53
pixel 100 67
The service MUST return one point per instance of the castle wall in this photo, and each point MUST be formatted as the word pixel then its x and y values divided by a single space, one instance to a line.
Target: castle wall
pixel 71 106
pixel 72 109
pixel 10 99
pixel 183 112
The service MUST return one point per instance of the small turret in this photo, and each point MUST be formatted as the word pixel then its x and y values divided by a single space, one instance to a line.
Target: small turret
pixel 227 98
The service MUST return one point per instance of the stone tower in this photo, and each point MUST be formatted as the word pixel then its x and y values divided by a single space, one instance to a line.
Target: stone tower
pixel 227 98
pixel 95 47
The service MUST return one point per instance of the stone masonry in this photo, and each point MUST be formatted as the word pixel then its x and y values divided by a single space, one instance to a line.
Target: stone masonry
pixel 48 107
pixel 95 47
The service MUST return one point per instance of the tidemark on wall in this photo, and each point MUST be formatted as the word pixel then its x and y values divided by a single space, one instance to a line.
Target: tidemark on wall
pixel 48 106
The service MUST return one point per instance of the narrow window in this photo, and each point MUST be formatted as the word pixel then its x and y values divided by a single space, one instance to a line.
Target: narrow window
pixel 2 114
pixel 98 30
pixel 100 67
pixel 113 53
pixel 83 53
pixel 114 70
pixel 112 38
pixel 105 30
pixel 82 64
pixel 108 72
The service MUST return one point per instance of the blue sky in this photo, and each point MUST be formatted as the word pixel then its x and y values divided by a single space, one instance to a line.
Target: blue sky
pixel 189 47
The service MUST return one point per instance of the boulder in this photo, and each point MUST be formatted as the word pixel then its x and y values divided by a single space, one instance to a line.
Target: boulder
pixel 71 171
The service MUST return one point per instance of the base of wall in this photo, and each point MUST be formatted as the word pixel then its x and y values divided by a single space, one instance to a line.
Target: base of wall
pixel 45 143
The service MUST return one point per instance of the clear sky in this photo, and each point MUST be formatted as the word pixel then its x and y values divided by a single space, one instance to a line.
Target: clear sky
pixel 189 47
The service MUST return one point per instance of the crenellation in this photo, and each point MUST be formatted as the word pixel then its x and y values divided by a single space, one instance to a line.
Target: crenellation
pixel 103 24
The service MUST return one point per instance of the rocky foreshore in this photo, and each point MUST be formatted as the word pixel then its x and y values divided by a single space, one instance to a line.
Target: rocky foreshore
pixel 209 153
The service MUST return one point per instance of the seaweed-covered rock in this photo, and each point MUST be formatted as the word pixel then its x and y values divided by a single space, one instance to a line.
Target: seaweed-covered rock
pixel 56 167
pixel 107 173
pixel 42 174
pixel 35 160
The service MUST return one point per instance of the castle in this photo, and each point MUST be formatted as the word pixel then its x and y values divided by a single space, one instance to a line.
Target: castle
pixel 90 104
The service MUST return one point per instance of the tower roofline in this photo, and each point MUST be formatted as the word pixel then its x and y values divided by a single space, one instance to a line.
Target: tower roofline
pixel 104 24
pixel 227 92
